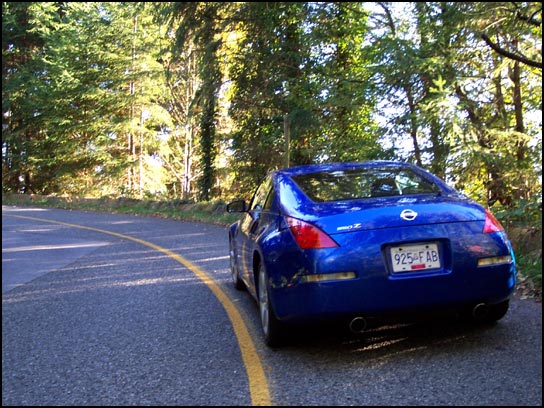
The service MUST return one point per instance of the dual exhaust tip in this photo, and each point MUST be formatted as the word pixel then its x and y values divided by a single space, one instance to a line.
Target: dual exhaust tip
pixel 480 311
pixel 359 324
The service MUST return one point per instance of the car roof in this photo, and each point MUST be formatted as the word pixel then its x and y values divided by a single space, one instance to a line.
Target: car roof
pixel 314 168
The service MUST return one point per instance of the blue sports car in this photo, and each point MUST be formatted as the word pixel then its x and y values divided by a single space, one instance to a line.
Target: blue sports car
pixel 365 242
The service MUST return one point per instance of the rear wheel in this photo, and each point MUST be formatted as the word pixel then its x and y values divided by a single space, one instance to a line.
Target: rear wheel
pixel 237 282
pixel 271 326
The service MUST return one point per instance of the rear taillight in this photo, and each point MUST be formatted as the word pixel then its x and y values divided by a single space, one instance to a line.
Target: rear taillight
pixel 491 223
pixel 309 236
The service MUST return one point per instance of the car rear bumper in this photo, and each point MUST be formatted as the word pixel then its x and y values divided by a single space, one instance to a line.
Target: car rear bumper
pixel 376 289
pixel 384 297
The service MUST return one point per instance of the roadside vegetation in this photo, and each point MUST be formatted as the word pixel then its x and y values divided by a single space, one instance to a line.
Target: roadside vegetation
pixel 526 239
pixel 524 227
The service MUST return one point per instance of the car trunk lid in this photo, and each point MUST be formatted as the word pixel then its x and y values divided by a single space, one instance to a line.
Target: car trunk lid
pixel 364 215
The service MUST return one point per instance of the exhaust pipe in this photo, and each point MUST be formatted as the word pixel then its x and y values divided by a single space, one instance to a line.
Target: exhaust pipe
pixel 480 311
pixel 358 325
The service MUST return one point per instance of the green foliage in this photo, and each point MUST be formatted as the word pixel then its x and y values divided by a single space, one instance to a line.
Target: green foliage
pixel 459 107
pixel 300 90
pixel 525 212
pixel 530 274
pixel 68 103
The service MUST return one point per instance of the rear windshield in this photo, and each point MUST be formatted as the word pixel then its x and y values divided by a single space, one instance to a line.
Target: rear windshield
pixel 363 183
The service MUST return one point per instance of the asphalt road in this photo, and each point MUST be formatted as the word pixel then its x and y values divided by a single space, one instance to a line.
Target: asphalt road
pixel 108 315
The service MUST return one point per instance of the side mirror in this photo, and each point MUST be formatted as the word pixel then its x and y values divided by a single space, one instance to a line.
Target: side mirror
pixel 237 206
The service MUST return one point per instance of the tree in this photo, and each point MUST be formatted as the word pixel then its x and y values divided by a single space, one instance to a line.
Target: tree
pixel 299 89
pixel 21 63
pixel 502 138
pixel 177 150
pixel 522 18
pixel 461 103
pixel 198 28
pixel 74 99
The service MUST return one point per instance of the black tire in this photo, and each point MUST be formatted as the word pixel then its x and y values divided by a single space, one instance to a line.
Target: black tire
pixel 272 328
pixel 235 276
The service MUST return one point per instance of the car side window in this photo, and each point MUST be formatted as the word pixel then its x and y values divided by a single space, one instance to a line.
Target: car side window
pixel 269 199
pixel 259 201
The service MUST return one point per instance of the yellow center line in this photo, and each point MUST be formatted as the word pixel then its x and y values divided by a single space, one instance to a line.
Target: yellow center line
pixel 258 384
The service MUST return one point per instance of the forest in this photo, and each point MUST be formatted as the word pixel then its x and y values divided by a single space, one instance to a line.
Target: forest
pixel 197 101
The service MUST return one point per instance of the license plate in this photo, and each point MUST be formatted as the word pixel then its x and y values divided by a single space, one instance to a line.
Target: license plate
pixel 413 258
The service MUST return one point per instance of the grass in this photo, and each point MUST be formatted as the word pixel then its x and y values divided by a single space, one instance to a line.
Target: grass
pixel 527 243
pixel 209 212
pixel 529 283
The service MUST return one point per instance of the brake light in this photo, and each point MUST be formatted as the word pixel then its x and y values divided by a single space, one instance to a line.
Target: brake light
pixel 309 236
pixel 491 223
